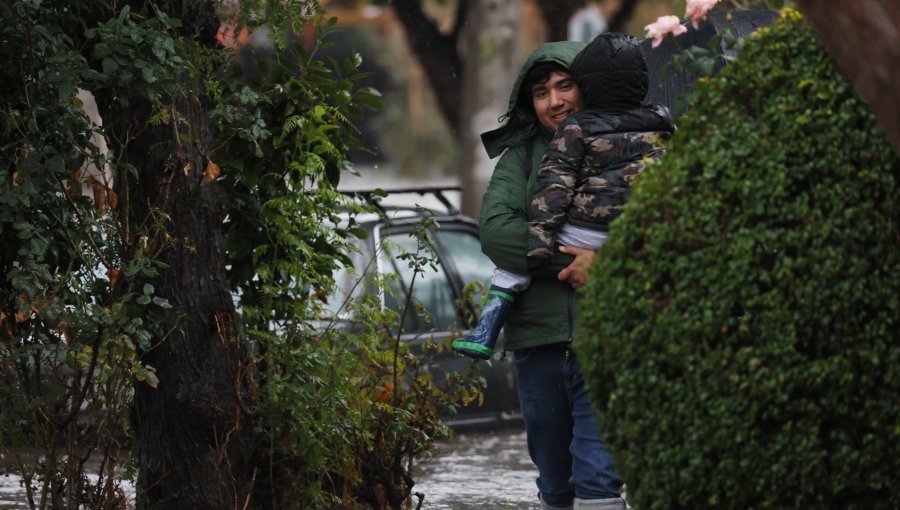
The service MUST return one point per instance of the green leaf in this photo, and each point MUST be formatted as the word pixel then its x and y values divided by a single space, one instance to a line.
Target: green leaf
pixel 148 376
pixel 161 302
pixel 147 74
pixel 109 66
pixel 371 101
pixel 56 164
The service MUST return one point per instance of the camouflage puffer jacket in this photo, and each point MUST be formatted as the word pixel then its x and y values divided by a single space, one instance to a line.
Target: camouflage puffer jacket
pixel 588 169
pixel 590 164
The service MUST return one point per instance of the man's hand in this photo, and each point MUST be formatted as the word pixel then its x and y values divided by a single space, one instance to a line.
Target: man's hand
pixel 577 272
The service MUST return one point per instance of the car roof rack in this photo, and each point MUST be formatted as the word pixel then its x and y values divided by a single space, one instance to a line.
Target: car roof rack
pixel 438 192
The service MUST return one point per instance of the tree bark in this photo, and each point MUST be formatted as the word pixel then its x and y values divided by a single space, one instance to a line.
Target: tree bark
pixel 437 53
pixel 865 43
pixel 196 442
pixel 192 439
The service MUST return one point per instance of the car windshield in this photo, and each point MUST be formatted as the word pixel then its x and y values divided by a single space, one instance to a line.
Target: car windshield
pixel 432 289
pixel 436 289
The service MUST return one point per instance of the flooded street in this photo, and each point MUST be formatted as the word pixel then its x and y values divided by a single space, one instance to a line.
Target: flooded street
pixel 489 470
pixel 480 471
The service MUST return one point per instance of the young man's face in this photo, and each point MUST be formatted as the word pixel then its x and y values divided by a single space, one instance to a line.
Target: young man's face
pixel 555 99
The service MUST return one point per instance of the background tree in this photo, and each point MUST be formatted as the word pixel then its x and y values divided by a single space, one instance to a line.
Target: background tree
pixel 439 53
pixel 872 29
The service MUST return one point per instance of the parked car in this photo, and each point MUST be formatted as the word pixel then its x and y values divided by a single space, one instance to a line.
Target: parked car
pixel 439 290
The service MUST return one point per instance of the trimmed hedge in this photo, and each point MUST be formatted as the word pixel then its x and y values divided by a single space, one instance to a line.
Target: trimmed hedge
pixel 742 319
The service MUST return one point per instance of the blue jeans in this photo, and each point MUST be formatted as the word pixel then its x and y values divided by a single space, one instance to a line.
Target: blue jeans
pixel 561 426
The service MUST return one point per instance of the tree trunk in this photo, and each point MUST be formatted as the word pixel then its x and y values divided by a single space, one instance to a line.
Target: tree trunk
pixel 557 13
pixel 620 19
pixel 437 54
pixel 490 40
pixel 865 43
pixel 196 442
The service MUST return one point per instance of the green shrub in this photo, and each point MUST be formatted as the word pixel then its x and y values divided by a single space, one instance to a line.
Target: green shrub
pixel 741 323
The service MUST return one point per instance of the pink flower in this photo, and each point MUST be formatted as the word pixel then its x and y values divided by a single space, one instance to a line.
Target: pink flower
pixel 664 25
pixel 698 9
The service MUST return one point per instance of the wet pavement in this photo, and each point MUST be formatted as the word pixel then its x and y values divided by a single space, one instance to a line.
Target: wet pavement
pixel 480 471
pixel 12 494
pixel 489 470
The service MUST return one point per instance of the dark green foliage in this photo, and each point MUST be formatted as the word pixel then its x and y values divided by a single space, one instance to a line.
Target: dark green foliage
pixel 73 312
pixel 337 414
pixel 742 320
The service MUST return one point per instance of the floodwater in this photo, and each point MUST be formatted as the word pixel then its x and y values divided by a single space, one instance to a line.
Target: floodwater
pixel 485 470
pixel 480 471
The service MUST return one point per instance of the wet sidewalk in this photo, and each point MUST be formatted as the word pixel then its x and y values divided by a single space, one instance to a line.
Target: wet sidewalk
pixel 480 471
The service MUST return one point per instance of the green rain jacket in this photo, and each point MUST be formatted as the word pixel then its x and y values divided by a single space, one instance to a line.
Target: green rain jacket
pixel 547 312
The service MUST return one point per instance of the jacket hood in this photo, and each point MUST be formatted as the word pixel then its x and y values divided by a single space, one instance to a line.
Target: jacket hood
pixel 611 73
pixel 521 123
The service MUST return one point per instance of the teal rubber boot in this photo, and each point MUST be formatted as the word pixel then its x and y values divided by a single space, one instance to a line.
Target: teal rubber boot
pixel 480 342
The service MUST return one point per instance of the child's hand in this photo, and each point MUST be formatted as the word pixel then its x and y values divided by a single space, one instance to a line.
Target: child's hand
pixel 576 273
